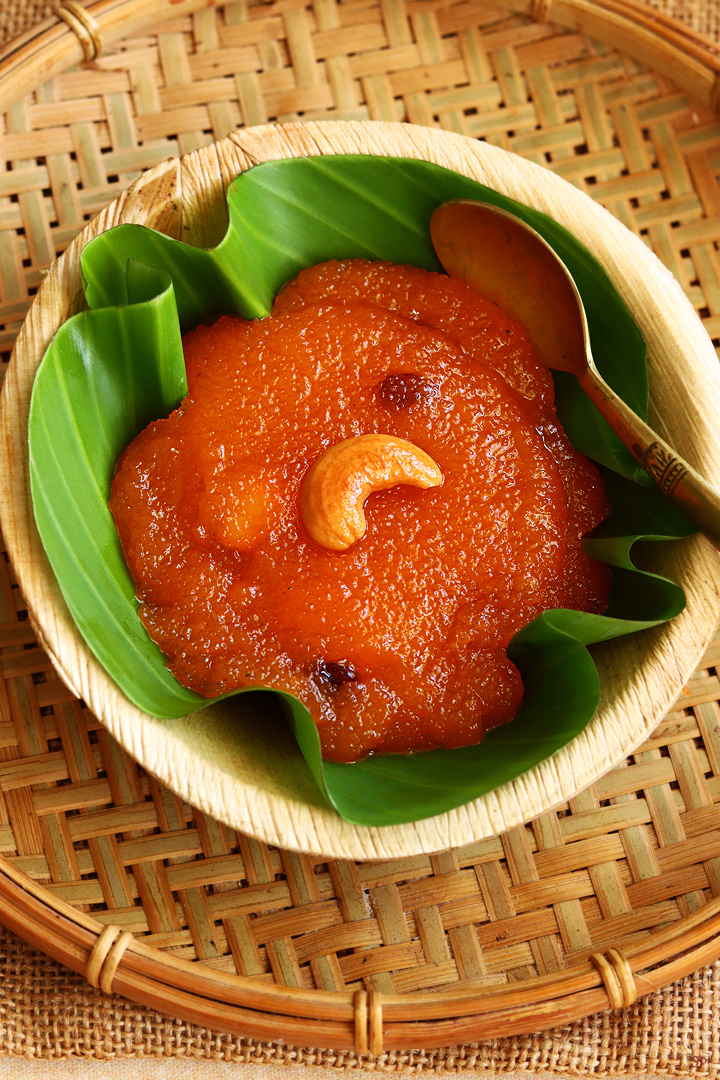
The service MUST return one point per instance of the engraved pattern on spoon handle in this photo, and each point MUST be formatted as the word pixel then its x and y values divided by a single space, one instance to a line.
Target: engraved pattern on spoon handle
pixel 673 475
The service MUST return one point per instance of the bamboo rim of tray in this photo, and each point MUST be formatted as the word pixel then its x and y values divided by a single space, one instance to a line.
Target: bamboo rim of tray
pixel 361 1021
pixel 80 32
pixel 365 1022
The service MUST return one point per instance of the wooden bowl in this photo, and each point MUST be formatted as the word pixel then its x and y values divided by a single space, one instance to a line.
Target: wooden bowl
pixel 255 780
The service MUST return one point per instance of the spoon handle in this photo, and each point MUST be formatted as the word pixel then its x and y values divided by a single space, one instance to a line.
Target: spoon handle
pixel 673 475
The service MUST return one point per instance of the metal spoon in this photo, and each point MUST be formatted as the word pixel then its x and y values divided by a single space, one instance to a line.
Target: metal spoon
pixel 510 263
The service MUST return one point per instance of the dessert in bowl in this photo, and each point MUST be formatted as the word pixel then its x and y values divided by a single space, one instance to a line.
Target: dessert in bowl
pixel 360 500
pixel 250 774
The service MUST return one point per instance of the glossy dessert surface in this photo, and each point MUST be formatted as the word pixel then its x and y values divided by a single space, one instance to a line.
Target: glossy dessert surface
pixel 397 642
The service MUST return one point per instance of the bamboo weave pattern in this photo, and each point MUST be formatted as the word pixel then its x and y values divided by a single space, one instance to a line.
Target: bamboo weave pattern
pixel 640 147
pixel 639 850
pixel 636 852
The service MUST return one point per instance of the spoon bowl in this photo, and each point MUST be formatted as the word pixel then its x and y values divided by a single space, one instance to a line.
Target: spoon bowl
pixel 525 276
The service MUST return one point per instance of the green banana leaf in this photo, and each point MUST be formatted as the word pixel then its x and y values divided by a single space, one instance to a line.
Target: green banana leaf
pixel 113 368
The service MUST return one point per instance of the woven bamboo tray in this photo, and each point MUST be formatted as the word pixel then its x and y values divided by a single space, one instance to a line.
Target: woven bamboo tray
pixel 610 896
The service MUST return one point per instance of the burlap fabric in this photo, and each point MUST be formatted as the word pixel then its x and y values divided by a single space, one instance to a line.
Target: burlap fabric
pixel 19 15
pixel 48 1012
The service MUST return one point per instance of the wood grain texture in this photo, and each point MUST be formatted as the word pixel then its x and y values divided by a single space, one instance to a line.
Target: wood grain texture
pixel 245 782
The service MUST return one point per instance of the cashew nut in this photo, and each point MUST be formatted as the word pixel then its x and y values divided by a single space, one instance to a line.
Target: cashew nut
pixel 338 483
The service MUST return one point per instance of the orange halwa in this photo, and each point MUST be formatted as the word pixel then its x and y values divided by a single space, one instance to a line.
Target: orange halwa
pixel 398 643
